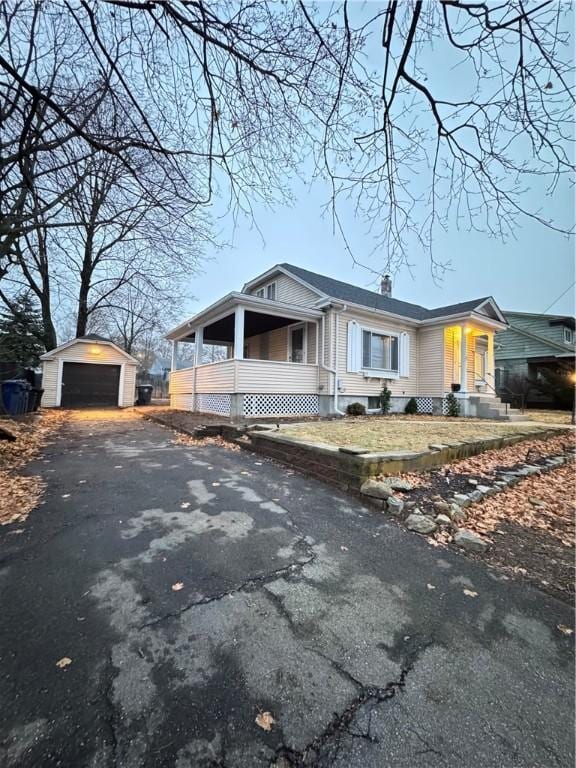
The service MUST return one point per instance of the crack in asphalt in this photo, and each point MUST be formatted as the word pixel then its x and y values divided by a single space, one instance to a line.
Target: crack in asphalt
pixel 292 569
pixel 311 755
pixel 110 714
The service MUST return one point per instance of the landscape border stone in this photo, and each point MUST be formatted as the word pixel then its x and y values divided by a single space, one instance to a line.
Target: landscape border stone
pixel 349 469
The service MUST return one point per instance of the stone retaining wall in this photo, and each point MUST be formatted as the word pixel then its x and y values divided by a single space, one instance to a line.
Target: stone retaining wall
pixel 348 468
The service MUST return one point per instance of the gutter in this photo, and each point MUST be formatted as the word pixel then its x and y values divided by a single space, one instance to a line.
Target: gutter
pixel 334 370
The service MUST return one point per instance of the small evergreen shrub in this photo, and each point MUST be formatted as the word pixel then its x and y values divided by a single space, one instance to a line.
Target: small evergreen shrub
pixel 385 396
pixel 411 406
pixel 453 405
pixel 355 409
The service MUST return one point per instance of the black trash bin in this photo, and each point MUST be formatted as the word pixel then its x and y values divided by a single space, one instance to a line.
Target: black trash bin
pixel 34 398
pixel 15 396
pixel 144 394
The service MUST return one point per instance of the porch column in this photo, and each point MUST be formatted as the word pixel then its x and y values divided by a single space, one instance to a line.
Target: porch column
pixel 490 365
pixel 198 346
pixel 463 359
pixel 174 360
pixel 239 333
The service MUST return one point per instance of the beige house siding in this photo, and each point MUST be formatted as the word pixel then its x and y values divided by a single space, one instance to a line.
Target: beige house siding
pixel 49 383
pixel 216 377
pixel 357 383
pixel 84 352
pixel 244 376
pixel 431 362
pixel 289 291
pixel 274 345
pixel 258 376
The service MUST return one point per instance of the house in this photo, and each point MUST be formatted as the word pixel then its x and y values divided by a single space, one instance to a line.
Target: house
pixel 90 371
pixel 536 349
pixel 297 342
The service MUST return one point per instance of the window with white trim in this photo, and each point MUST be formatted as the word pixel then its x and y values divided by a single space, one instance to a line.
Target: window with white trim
pixel 379 351
pixel 568 335
pixel 267 292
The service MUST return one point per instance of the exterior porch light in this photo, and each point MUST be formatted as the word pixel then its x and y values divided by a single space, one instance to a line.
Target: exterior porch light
pixel 95 350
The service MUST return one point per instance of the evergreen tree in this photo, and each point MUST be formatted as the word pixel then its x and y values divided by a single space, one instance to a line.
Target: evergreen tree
pixel 20 332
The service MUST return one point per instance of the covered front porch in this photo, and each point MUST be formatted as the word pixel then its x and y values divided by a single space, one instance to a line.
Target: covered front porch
pixel 249 357
pixel 469 360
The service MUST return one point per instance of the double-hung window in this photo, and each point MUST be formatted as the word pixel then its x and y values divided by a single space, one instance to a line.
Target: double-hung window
pixel 267 292
pixel 568 335
pixel 379 351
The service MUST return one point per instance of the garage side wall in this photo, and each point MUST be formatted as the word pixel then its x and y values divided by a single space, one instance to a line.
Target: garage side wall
pixel 82 352
pixel 49 383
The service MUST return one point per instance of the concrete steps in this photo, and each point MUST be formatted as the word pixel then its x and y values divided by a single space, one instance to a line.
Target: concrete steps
pixel 494 408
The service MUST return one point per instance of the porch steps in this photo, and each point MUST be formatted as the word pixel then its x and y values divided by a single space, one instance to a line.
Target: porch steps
pixel 494 408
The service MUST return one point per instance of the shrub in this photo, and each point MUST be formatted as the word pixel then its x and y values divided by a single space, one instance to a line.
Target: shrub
pixel 385 396
pixel 453 405
pixel 411 406
pixel 355 409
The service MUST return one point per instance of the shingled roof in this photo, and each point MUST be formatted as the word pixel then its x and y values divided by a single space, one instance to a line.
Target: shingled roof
pixel 337 289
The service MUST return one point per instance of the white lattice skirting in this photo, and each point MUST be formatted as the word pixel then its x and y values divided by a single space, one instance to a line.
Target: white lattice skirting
pixel 424 404
pixel 217 403
pixel 281 405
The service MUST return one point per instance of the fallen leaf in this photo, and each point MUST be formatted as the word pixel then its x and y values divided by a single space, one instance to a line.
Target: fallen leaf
pixel 265 720
pixel 178 586
pixel 64 662
pixel 343 548
pixel 430 586
pixel 565 630
pixel 65 495
pixel 185 504
pixel 470 593
pixel 215 484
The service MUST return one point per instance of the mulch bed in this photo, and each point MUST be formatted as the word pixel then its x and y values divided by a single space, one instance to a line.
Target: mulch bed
pixel 530 526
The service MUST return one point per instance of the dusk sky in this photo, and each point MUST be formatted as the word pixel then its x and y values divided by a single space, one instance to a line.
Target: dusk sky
pixel 527 273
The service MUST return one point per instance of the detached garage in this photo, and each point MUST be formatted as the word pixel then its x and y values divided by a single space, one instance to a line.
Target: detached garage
pixel 89 372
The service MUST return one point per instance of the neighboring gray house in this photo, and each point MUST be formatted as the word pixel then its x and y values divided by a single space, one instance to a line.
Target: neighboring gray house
pixel 532 347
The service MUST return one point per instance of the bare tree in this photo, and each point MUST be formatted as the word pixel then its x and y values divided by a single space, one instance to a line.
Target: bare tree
pixel 236 97
pixel 140 315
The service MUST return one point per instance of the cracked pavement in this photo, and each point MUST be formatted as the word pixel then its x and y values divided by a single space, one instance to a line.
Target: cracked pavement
pixel 355 634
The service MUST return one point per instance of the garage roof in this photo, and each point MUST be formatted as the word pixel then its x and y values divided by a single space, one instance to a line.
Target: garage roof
pixel 91 338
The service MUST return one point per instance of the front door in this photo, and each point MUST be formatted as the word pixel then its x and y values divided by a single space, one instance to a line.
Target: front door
pixel 297 344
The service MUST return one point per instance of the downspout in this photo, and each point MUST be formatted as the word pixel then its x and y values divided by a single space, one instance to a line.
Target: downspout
pixel 334 370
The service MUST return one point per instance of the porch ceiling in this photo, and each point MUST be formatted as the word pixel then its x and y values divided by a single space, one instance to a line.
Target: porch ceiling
pixel 222 331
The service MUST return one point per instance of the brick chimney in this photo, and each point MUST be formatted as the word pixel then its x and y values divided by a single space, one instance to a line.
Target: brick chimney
pixel 386 286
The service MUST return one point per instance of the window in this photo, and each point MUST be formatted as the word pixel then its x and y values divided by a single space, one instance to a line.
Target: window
pixel 379 351
pixel 267 292
pixel 374 402
pixel 568 335
pixel 297 344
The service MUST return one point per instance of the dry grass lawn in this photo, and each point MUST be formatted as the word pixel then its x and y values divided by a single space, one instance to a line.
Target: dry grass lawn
pixel 550 417
pixel 396 434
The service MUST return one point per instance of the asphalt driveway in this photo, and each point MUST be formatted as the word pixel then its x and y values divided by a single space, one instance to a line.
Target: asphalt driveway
pixel 368 646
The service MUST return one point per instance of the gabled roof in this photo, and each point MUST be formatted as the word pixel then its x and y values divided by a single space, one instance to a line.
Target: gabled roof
pixel 96 337
pixel 91 338
pixel 336 289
